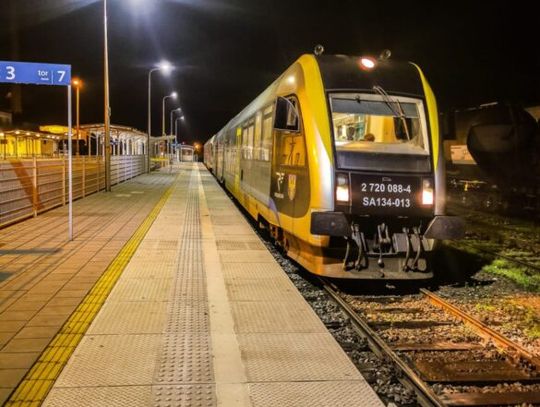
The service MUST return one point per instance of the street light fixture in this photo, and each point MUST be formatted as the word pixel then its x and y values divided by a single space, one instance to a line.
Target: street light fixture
pixel 165 68
pixel 174 96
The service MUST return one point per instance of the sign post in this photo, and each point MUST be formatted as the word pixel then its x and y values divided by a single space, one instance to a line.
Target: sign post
pixel 45 74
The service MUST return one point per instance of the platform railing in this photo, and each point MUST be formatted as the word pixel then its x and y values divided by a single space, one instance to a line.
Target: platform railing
pixel 31 186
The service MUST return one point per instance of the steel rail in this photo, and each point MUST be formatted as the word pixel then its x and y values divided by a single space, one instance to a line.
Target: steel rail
pixel 426 396
pixel 481 329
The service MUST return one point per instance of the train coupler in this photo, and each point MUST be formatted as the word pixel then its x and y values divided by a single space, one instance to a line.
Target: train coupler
pixel 356 239
pixel 412 262
pixel 383 243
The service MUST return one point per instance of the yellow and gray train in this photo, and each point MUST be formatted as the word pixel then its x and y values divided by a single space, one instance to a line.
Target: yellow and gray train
pixel 341 160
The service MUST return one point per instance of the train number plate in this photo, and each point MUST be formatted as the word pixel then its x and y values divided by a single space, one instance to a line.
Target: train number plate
pixel 386 192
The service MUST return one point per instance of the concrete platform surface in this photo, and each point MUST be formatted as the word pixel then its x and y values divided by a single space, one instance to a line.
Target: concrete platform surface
pixel 203 315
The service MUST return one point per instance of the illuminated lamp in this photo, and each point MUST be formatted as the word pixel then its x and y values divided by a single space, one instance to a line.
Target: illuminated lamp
pixel 54 129
pixel 342 188
pixel 427 192
pixel 367 63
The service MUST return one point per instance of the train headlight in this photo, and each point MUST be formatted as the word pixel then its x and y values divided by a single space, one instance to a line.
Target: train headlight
pixel 342 188
pixel 367 63
pixel 427 192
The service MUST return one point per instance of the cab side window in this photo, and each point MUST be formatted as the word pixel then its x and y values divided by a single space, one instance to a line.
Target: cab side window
pixel 290 139
pixel 266 144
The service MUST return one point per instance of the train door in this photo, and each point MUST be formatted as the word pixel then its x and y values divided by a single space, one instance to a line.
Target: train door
pixel 290 188
pixel 219 157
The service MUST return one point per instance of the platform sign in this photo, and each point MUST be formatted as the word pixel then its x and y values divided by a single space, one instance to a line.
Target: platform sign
pixel 32 73
pixel 35 73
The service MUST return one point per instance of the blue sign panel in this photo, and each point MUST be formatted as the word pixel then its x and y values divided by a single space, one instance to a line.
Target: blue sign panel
pixel 35 73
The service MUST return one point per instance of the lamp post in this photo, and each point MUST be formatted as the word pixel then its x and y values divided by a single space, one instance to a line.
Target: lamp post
pixel 176 126
pixel 77 83
pixel 179 110
pixel 165 67
pixel 107 109
pixel 173 95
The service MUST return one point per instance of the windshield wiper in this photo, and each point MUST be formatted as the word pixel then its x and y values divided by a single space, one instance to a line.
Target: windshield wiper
pixel 395 107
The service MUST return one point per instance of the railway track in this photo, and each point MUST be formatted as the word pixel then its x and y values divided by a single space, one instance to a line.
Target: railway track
pixel 446 358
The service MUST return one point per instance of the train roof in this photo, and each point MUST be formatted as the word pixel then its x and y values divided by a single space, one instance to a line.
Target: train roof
pixel 341 72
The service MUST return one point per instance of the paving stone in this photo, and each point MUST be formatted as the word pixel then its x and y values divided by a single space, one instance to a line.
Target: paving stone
pixel 17 360
pixel 48 320
pixel 25 345
pixel 4 394
pixel 11 377
pixel 29 332
pixel 11 326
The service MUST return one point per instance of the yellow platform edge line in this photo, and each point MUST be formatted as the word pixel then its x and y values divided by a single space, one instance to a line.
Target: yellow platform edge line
pixel 39 380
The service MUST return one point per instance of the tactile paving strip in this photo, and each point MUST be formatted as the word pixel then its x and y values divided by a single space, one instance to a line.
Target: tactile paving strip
pixel 197 395
pixel 156 256
pixel 189 317
pixel 130 318
pixel 295 357
pixel 112 360
pixel 185 352
pixel 189 290
pixel 159 244
pixel 132 396
pixel 313 394
pixel 143 290
pixel 146 269
pixel 185 358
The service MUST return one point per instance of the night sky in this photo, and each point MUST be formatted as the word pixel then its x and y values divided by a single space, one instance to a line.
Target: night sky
pixel 227 52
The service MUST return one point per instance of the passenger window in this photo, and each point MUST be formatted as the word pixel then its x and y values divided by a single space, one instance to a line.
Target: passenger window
pixel 244 143
pixel 257 141
pixel 249 155
pixel 267 129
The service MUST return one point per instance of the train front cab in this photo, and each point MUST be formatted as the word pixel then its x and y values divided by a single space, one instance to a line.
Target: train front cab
pixel 388 190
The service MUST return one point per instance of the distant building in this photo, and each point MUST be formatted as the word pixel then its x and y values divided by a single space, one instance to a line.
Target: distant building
pixel 534 111
pixel 5 119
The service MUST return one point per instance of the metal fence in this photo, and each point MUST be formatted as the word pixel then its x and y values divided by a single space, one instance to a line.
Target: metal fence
pixel 31 186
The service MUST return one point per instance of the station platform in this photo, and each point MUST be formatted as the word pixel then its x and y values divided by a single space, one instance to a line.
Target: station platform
pixel 172 301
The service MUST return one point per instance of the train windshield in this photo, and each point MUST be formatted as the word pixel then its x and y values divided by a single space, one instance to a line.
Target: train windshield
pixel 380 132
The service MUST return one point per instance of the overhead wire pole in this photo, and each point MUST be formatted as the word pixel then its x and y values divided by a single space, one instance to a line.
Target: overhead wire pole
pixel 107 112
